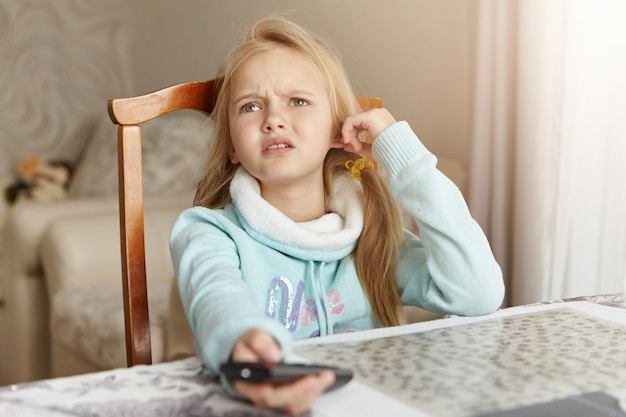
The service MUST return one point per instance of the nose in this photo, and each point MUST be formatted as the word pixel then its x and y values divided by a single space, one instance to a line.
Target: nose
pixel 273 119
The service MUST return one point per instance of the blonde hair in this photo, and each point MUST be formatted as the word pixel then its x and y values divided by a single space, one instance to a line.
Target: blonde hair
pixel 377 250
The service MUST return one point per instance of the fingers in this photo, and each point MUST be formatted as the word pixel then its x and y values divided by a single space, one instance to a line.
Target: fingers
pixel 293 398
pixel 373 122
pixel 256 345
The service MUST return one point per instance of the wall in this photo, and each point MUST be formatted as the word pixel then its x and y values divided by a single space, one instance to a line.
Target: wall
pixel 416 54
pixel 60 61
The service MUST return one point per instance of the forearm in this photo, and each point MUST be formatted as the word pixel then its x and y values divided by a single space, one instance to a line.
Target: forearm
pixel 451 269
pixel 219 305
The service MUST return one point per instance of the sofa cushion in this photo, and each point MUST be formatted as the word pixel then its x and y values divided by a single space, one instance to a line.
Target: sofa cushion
pixel 90 323
pixel 174 147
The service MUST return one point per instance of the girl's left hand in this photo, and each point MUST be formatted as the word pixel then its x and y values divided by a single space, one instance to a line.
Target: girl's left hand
pixel 373 122
pixel 257 345
pixel 293 398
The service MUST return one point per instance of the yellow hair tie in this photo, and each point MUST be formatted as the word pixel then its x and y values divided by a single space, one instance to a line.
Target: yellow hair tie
pixel 355 167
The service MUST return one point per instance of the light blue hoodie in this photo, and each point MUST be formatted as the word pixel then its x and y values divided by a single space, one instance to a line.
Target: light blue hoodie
pixel 248 265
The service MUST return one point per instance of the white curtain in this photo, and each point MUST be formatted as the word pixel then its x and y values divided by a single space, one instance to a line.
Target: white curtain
pixel 548 178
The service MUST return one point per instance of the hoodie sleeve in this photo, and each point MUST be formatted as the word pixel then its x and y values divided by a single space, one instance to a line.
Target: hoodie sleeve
pixel 219 305
pixel 450 269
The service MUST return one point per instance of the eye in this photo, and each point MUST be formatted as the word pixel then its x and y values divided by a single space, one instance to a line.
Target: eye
pixel 250 107
pixel 299 102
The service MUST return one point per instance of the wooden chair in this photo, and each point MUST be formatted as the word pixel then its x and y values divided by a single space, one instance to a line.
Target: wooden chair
pixel 129 114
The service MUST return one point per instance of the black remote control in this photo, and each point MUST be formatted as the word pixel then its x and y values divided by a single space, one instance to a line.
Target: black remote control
pixel 280 373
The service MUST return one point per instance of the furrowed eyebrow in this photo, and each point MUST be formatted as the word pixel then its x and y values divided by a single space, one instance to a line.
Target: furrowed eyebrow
pixel 300 93
pixel 245 97
pixel 291 93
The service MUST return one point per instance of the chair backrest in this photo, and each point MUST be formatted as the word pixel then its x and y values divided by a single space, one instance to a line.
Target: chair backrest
pixel 129 114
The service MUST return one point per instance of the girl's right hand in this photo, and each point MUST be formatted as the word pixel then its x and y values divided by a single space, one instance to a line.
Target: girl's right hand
pixel 294 398
pixel 373 122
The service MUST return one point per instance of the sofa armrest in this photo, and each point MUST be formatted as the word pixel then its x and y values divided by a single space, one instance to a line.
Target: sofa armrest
pixel 85 251
pixel 27 222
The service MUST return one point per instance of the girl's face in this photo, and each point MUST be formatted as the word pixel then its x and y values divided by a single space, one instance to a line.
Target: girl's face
pixel 280 121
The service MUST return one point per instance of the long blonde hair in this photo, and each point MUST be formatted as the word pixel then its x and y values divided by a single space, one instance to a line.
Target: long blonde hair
pixel 377 250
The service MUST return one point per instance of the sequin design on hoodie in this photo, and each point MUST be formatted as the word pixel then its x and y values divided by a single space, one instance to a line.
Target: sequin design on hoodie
pixel 282 303
pixel 310 314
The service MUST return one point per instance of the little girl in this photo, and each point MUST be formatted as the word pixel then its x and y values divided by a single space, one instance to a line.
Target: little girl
pixel 296 235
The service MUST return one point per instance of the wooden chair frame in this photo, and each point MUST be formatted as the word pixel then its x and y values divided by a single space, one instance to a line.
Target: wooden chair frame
pixel 129 114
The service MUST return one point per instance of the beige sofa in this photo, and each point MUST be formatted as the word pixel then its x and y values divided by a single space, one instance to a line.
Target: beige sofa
pixel 62 311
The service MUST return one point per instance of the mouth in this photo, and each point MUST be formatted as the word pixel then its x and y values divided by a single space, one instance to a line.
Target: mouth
pixel 277 146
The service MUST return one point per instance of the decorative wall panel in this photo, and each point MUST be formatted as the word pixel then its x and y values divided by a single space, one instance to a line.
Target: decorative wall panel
pixel 59 63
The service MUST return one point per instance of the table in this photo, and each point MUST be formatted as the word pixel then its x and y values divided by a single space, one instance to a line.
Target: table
pixel 185 388
pixel 518 358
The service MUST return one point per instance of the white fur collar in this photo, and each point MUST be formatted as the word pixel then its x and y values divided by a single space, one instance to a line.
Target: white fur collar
pixel 334 231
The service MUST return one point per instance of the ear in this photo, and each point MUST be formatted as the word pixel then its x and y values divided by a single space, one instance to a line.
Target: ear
pixel 337 141
pixel 233 156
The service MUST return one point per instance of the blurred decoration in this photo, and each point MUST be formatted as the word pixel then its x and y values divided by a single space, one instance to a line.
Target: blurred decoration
pixel 39 180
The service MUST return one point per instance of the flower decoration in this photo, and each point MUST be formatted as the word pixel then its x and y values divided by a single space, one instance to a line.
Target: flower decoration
pixel 39 180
